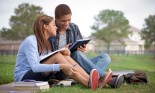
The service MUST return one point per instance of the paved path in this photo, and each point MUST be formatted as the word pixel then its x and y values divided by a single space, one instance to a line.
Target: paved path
pixel 123 72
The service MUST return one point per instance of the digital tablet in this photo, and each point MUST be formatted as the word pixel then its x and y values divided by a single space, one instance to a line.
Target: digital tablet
pixel 77 44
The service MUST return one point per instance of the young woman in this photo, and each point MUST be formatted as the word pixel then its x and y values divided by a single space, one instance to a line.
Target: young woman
pixel 29 64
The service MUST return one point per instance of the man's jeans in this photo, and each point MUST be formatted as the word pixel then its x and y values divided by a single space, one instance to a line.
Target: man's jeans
pixel 99 62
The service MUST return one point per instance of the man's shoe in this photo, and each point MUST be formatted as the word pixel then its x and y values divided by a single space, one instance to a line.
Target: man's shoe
pixel 116 81
pixel 105 79
pixel 94 77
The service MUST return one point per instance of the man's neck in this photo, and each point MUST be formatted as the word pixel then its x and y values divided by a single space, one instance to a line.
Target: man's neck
pixel 62 32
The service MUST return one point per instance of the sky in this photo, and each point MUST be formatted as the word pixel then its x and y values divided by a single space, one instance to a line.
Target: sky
pixel 83 11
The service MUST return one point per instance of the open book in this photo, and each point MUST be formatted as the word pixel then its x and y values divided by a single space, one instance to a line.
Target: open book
pixel 78 43
pixel 49 54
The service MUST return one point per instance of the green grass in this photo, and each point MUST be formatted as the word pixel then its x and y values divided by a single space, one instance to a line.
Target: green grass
pixel 134 62
pixel 130 62
pixel 7 64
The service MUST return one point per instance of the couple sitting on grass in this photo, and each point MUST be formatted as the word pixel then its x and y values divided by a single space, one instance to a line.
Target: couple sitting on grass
pixel 50 35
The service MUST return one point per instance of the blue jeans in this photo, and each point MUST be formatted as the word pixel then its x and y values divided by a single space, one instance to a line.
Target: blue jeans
pixel 99 62
pixel 40 76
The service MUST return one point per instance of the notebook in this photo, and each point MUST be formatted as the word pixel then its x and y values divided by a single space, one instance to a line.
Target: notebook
pixel 31 83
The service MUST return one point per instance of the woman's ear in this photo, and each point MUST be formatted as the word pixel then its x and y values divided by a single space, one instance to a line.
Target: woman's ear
pixel 46 26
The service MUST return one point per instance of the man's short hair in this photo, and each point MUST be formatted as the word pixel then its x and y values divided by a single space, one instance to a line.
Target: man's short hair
pixel 62 10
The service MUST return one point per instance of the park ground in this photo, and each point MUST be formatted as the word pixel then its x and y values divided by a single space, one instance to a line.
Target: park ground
pixel 119 62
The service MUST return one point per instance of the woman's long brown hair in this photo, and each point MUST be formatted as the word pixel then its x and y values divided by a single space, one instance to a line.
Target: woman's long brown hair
pixel 39 31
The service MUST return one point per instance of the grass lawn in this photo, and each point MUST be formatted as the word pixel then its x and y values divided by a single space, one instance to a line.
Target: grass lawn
pixel 130 62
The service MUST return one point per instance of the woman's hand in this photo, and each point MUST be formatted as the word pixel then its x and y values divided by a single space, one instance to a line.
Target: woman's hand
pixel 82 48
pixel 66 52
pixel 68 69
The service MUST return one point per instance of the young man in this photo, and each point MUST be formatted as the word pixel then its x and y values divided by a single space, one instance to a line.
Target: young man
pixel 68 33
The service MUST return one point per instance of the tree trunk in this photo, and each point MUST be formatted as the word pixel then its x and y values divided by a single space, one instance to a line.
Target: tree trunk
pixel 154 51
pixel 108 48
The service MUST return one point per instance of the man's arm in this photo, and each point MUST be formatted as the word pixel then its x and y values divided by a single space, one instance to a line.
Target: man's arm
pixel 79 36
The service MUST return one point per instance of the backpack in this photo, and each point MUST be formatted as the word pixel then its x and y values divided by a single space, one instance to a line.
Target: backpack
pixel 138 77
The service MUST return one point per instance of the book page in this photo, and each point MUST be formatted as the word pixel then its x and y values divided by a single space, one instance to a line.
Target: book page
pixel 49 54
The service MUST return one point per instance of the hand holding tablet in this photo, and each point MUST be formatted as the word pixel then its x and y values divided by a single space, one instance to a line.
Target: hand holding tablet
pixel 78 43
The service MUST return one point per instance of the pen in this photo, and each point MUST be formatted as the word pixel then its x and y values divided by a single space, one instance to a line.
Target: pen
pixel 74 65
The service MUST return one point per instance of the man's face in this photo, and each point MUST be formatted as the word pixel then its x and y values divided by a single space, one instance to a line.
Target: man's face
pixel 63 22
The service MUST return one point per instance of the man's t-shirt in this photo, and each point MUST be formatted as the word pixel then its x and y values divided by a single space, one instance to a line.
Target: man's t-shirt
pixel 62 40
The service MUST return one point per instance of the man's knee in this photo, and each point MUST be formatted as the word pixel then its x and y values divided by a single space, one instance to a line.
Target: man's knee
pixel 106 57
pixel 77 54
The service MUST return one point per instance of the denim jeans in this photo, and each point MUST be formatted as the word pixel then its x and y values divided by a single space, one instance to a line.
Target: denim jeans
pixel 99 62
pixel 40 76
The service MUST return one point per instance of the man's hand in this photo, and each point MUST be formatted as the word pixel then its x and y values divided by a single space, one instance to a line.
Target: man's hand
pixel 82 48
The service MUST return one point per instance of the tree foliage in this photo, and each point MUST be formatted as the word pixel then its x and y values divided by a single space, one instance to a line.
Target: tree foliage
pixel 148 32
pixel 110 25
pixel 22 22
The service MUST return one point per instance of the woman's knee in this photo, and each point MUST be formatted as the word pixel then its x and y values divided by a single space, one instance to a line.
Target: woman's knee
pixel 58 55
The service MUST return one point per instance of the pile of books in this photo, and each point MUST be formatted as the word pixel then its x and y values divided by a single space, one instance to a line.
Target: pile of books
pixel 31 85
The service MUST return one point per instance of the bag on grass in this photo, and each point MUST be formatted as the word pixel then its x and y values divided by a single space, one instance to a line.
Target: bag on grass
pixel 138 77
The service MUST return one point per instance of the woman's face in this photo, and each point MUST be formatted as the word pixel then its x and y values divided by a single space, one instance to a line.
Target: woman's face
pixel 51 29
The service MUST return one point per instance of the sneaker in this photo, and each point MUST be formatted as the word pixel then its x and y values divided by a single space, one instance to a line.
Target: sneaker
pixel 105 79
pixel 116 81
pixel 94 77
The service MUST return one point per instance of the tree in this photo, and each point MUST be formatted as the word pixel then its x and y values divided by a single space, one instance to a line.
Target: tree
pixel 22 22
pixel 148 32
pixel 110 25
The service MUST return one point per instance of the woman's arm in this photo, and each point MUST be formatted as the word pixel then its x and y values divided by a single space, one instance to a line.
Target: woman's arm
pixel 32 56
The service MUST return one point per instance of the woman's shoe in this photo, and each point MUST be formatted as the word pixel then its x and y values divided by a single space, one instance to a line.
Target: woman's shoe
pixel 105 79
pixel 94 78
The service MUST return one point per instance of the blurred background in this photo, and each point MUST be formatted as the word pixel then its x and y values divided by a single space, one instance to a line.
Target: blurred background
pixel 114 26
pixel 123 28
